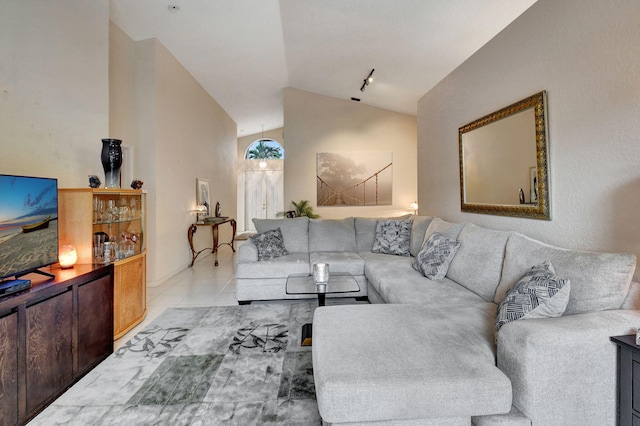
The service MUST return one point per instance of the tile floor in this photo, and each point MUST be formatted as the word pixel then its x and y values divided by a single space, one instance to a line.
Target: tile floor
pixel 201 285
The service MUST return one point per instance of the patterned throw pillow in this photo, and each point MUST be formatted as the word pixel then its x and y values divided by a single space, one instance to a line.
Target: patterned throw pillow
pixel 539 293
pixel 435 256
pixel 270 244
pixel 393 237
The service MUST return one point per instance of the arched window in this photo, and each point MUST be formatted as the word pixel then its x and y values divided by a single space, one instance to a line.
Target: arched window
pixel 264 149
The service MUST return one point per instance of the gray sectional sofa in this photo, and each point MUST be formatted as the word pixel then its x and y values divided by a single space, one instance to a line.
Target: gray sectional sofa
pixel 425 352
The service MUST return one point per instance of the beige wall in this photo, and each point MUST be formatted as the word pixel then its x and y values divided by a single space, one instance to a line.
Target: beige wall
pixel 314 123
pixel 586 54
pixel 54 93
pixel 178 133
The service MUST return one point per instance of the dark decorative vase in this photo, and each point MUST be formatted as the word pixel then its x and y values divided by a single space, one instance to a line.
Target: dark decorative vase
pixel 111 161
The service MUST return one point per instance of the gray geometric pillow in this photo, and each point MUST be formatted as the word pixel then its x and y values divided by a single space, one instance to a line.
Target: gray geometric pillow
pixel 270 244
pixel 393 237
pixel 539 293
pixel 436 256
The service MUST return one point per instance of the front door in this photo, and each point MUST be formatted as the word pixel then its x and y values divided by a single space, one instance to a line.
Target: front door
pixel 263 195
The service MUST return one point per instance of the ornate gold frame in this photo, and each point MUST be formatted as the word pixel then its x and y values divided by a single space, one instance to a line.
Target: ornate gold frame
pixel 532 211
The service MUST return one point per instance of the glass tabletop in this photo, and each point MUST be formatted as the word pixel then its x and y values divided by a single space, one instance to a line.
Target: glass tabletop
pixel 338 283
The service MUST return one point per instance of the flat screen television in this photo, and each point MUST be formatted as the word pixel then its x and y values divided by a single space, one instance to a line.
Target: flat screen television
pixel 28 224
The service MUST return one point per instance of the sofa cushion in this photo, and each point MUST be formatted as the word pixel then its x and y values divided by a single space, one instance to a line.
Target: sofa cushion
pixel 448 229
pixel 365 232
pixel 396 364
pixel 344 262
pixel 395 281
pixel 632 300
pixel 436 256
pixel 393 237
pixel 599 281
pixel 332 235
pixel 295 232
pixel 539 293
pixel 280 267
pixel 418 229
pixel 478 262
pixel 269 244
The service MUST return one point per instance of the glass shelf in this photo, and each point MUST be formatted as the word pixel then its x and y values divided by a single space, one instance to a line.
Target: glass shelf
pixel 117 226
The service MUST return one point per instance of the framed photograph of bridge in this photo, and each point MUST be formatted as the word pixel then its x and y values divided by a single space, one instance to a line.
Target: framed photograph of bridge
pixel 354 178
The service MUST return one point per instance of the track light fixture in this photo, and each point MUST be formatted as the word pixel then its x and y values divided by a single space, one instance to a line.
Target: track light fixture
pixel 367 80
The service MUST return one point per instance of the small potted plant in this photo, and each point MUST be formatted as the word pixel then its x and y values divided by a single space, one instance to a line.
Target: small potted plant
pixel 300 209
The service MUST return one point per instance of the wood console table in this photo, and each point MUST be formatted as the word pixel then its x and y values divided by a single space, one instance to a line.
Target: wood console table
pixel 51 335
pixel 214 231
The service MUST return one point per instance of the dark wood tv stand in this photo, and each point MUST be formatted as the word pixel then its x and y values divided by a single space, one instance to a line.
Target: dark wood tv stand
pixel 51 335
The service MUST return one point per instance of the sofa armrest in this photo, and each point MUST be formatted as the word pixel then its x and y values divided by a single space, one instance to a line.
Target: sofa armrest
pixel 247 252
pixel 563 370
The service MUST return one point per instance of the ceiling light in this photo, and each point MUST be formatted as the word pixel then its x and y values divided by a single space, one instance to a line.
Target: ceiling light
pixel 367 80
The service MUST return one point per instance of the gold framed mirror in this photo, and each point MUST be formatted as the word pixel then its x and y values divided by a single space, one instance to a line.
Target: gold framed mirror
pixel 504 161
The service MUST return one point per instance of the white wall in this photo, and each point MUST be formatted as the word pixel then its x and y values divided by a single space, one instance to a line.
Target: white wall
pixel 315 123
pixel 586 54
pixel 54 93
pixel 179 133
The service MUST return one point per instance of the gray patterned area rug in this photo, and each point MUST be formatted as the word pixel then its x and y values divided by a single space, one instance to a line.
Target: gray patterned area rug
pixel 231 365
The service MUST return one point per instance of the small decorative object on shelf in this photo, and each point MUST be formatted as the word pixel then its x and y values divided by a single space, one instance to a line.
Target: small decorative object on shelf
pixel 136 184
pixel 94 181
pixel 218 210
pixel 521 196
pixel 111 158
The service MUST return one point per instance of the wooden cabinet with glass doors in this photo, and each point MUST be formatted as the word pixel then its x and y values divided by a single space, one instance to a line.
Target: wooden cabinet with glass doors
pixel 107 226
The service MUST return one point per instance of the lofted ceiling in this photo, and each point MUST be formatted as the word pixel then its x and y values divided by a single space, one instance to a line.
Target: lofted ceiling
pixel 245 52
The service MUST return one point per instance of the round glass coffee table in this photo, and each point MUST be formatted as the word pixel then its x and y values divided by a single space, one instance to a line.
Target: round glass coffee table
pixel 304 284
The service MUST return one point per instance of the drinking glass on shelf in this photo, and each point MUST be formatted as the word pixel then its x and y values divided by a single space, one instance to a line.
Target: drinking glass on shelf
pixel 107 252
pixel 124 213
pixel 115 247
pixel 133 204
pixel 98 247
pixel 126 248
pixel 96 207
pixel 110 211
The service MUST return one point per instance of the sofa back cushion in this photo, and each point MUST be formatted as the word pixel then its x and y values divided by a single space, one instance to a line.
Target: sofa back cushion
pixel 295 232
pixel 365 232
pixel 599 281
pixel 632 300
pixel 418 229
pixel 447 229
pixel 332 235
pixel 477 265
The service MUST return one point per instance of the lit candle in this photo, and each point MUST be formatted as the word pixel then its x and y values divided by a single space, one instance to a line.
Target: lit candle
pixel 68 256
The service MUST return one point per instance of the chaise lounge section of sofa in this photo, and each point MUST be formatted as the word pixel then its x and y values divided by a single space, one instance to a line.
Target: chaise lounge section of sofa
pixel 426 351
